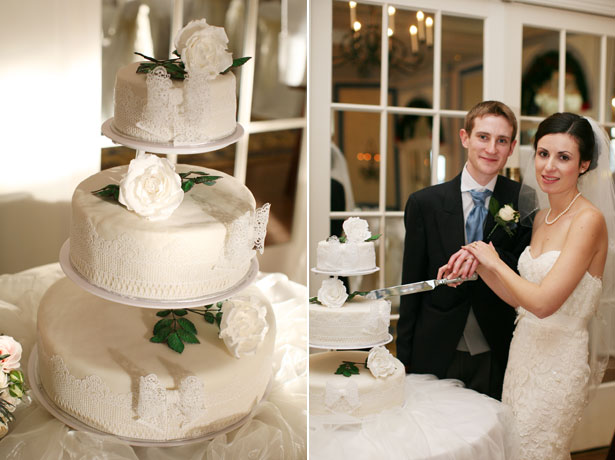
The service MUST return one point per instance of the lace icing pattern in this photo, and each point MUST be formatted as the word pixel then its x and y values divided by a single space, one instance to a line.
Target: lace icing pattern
pixel 546 381
pixel 260 227
pixel 169 411
pixel 342 396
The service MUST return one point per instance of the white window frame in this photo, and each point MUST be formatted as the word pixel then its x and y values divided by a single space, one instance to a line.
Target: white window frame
pixel 502 58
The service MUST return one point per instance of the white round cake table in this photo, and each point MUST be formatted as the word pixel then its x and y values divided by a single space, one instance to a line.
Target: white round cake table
pixel 276 428
pixel 440 420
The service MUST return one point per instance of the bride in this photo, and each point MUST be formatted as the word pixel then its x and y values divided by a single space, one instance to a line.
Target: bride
pixel 548 375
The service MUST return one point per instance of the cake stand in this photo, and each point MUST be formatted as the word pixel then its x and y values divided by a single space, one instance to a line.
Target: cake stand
pixel 71 273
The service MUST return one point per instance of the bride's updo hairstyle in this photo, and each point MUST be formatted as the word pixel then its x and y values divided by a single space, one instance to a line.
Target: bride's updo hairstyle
pixel 577 127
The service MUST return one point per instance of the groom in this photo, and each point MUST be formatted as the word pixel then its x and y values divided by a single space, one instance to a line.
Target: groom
pixel 463 332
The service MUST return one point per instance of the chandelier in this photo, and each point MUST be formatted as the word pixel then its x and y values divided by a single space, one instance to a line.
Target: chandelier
pixel 361 45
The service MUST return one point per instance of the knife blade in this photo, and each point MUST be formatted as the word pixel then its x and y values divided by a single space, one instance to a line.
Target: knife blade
pixel 413 288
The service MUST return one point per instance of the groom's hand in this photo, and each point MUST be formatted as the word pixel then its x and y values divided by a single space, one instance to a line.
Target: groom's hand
pixel 461 264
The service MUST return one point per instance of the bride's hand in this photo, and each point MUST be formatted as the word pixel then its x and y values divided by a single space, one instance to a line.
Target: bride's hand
pixel 461 265
pixel 485 253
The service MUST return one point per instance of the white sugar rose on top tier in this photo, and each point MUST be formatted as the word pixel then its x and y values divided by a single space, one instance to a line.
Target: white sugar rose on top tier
pixel 151 187
pixel 202 48
pixel 9 346
pixel 356 230
pixel 332 293
pixel 243 326
pixel 380 362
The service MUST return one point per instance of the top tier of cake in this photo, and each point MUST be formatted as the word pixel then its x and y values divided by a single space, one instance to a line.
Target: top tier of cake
pixel 154 108
pixel 354 252
pixel 204 247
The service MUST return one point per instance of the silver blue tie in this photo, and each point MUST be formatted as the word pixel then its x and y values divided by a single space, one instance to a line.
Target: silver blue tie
pixel 476 218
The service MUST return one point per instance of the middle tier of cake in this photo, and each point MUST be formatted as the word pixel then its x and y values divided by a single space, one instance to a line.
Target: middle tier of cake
pixel 96 363
pixel 359 323
pixel 204 247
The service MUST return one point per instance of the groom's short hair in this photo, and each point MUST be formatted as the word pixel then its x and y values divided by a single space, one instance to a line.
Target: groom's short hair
pixel 496 108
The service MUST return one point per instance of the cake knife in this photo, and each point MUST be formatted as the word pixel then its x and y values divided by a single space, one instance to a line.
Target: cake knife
pixel 413 288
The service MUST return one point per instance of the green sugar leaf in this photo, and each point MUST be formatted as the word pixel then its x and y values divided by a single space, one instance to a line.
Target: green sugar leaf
pixel 16 377
pixel 163 334
pixel 158 339
pixel 180 312
pixel 209 317
pixel 237 63
pixel 175 343
pixel 111 190
pixel 315 300
pixel 163 323
pixel 187 185
pixel 187 325
pixel 4 356
pixel 147 57
pixel 373 237
pixel 163 313
pixel 187 337
pixel 342 239
pixel 218 318
pixel 15 392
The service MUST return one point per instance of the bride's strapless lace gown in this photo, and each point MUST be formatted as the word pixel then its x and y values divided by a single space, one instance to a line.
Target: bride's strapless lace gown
pixel 546 380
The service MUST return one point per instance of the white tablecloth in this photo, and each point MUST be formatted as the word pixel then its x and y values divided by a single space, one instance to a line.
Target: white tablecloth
pixel 276 430
pixel 440 420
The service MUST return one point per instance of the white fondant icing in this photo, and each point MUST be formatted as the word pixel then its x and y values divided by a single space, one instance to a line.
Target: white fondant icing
pixel 335 256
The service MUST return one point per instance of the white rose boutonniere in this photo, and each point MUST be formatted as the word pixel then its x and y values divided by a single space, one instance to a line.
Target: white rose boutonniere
pixel 506 217
pixel 332 293
pixel 244 326
pixel 380 362
pixel 356 230
pixel 151 188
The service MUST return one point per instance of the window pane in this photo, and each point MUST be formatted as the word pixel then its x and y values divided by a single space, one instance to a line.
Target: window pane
pixel 271 176
pixel 411 56
pixel 452 154
pixel 272 97
pixel 539 85
pixel 355 160
pixel 610 80
pixel 526 135
pixel 356 54
pixel 408 158
pixel 462 63
pixel 582 74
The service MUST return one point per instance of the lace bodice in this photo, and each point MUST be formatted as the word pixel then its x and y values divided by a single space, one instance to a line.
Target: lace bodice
pixel 583 301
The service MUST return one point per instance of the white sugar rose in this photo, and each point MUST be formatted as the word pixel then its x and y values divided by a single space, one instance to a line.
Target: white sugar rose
pixel 356 230
pixel 508 214
pixel 202 48
pixel 9 346
pixel 244 325
pixel 151 188
pixel 380 362
pixel 332 293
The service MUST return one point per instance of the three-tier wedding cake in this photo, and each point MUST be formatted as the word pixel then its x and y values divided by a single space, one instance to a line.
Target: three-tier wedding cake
pixel 344 382
pixel 152 234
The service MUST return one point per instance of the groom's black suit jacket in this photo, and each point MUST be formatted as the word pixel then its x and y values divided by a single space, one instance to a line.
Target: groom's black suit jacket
pixel 431 323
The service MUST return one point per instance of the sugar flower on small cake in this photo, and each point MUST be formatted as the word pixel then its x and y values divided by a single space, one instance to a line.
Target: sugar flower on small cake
pixel 356 230
pixel 332 293
pixel 12 382
pixel 202 48
pixel 380 362
pixel 151 187
pixel 244 325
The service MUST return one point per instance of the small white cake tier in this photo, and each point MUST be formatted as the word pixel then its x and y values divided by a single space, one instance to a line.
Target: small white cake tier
pixel 204 247
pixel 358 395
pixel 155 108
pixel 334 256
pixel 358 322
pixel 97 364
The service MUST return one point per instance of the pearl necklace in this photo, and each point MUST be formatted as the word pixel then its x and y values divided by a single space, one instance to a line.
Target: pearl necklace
pixel 561 213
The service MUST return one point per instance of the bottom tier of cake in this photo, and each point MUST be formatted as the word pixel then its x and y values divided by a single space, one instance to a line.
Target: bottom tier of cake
pixel 96 363
pixel 358 395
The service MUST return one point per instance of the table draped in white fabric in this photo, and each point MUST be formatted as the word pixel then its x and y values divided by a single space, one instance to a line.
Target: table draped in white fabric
pixel 440 420
pixel 276 429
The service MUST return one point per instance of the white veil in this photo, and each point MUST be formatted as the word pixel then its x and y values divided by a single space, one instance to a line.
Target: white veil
pixel 597 186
